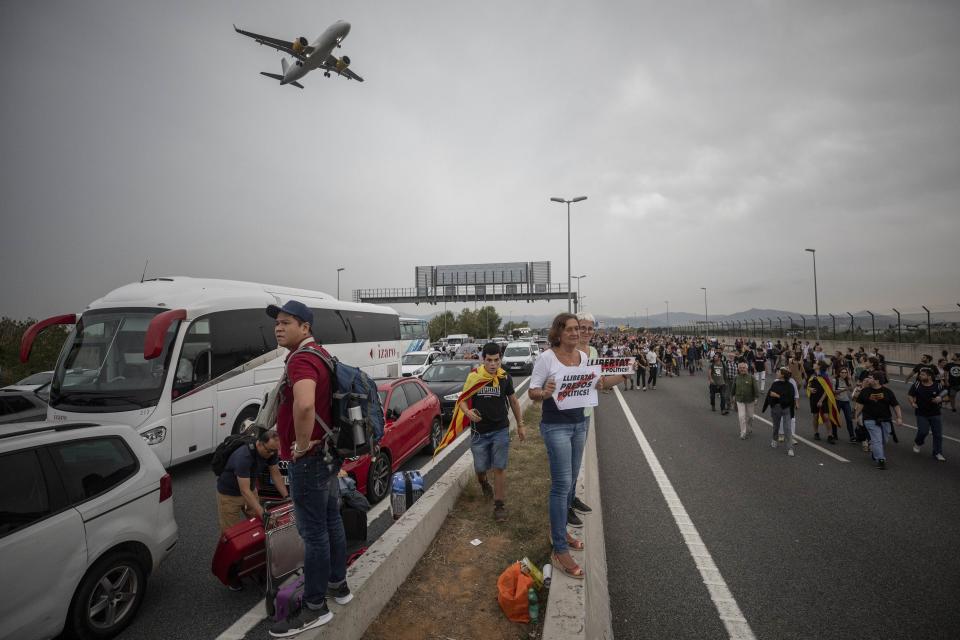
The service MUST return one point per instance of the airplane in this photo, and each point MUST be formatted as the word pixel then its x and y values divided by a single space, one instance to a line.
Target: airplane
pixel 308 57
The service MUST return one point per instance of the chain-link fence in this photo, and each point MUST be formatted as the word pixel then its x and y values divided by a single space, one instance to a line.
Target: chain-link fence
pixel 897 325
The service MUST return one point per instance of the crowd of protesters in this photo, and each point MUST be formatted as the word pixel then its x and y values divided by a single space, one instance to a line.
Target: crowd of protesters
pixel 844 389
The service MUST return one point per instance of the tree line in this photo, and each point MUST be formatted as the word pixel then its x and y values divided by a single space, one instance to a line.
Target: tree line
pixel 483 323
pixel 43 357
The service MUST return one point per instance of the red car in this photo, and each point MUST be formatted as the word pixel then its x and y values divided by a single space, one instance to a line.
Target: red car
pixel 412 414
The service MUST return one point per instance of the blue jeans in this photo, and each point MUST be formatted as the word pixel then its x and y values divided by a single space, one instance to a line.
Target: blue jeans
pixel 879 433
pixel 844 406
pixel 925 424
pixel 315 493
pixel 490 450
pixel 565 443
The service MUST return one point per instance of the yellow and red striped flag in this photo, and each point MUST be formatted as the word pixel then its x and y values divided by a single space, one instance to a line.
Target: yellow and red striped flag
pixel 476 380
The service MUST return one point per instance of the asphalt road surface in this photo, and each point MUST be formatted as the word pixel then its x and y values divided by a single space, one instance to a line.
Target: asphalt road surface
pixel 184 600
pixel 809 547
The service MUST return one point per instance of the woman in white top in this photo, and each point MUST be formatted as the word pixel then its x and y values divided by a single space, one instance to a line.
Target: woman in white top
pixel 564 433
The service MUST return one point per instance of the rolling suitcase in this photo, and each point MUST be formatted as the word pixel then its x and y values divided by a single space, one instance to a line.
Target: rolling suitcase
pixel 284 563
pixel 240 550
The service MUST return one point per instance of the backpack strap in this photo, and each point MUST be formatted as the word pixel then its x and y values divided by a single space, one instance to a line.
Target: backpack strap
pixel 331 367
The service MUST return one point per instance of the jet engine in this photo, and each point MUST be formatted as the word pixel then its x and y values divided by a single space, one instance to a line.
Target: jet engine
pixel 299 45
pixel 343 63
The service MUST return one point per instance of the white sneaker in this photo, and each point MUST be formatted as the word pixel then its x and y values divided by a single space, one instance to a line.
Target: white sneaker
pixel 790 452
pixel 940 457
pixel 773 444
pixel 916 448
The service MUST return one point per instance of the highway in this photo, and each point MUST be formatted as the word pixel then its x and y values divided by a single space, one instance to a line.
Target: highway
pixel 184 600
pixel 806 547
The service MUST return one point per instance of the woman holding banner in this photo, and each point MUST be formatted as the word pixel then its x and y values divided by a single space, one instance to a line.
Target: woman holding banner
pixel 564 432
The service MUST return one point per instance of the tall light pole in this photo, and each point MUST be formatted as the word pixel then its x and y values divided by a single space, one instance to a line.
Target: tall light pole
pixel 339 269
pixel 706 317
pixel 667 302
pixel 816 301
pixel 568 202
pixel 579 299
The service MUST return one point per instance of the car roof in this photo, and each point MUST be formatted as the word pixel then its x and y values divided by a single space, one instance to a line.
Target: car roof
pixel 519 343
pixel 17 434
pixel 472 363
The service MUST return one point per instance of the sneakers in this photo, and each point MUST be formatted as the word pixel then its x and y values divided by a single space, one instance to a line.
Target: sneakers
pixel 573 519
pixel 790 452
pixel 865 445
pixel 743 436
pixel 881 464
pixel 487 489
pixel 235 586
pixel 644 388
pixel 780 438
pixel 816 436
pixel 499 511
pixel 853 441
pixel 831 439
pixel 916 448
pixel 940 457
pixel 580 507
pixel 306 618
pixel 341 594
pixel 773 444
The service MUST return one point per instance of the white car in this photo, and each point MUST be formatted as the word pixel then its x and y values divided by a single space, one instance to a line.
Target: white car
pixel 414 363
pixel 30 383
pixel 519 357
pixel 87 516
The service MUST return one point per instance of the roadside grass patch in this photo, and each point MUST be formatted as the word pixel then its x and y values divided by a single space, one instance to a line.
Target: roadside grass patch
pixel 451 594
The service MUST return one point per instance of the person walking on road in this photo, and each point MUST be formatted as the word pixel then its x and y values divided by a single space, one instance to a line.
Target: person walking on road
pixel 953 380
pixel 925 397
pixel 823 406
pixel 729 375
pixel 843 387
pixel 781 398
pixel 760 367
pixel 653 365
pixel 305 398
pixel 877 404
pixel 716 381
pixel 490 432
pixel 745 393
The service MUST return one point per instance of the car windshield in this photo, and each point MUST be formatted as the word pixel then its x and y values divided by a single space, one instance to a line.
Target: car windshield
pixel 38 378
pixel 447 373
pixel 102 368
pixel 415 358
pixel 516 351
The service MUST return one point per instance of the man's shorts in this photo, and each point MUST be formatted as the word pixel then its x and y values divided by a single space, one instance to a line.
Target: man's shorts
pixel 490 450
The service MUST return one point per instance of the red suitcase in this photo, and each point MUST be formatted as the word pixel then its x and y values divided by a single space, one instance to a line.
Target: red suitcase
pixel 240 551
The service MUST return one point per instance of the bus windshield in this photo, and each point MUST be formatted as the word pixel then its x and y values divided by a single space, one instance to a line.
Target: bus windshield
pixel 103 369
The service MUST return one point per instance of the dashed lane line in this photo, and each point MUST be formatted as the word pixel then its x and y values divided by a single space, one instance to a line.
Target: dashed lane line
pixel 727 608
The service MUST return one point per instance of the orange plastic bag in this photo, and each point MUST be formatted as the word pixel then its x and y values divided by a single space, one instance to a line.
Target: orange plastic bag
pixel 512 586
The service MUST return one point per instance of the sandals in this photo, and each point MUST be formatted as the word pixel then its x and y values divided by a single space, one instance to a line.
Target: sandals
pixel 572 543
pixel 576 572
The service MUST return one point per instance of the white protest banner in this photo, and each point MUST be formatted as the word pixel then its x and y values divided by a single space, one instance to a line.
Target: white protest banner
pixel 614 366
pixel 576 387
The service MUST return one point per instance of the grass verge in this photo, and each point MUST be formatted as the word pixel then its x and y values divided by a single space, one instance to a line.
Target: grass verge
pixel 452 592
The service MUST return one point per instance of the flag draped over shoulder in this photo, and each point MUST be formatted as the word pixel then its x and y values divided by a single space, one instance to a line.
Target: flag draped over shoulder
pixel 477 379
pixel 829 411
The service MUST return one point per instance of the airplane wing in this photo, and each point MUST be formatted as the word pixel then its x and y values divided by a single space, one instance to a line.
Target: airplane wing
pixel 285 46
pixel 333 65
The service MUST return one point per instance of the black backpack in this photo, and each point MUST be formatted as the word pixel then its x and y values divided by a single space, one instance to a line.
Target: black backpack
pixel 226 448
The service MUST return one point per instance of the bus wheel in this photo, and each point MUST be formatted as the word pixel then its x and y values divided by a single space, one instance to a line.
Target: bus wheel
pixel 250 413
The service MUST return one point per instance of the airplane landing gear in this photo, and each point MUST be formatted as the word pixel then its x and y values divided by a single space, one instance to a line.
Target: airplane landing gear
pixel 326 74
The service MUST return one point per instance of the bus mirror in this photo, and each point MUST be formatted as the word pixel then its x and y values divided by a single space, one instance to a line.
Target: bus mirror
pixel 26 343
pixel 153 343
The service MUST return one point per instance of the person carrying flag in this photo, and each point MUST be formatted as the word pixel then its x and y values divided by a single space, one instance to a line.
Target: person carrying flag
pixel 823 404
pixel 486 408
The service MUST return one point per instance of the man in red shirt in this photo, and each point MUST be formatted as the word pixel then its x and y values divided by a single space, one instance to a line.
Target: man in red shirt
pixel 312 470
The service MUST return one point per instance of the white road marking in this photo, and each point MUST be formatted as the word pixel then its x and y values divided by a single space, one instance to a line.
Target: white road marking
pixel 930 433
pixel 239 629
pixel 727 608
pixel 807 442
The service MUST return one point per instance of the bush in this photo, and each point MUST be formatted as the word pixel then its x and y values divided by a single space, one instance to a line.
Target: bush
pixel 43 357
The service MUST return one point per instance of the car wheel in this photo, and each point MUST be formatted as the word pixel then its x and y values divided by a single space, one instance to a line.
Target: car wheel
pixel 378 480
pixel 436 434
pixel 108 597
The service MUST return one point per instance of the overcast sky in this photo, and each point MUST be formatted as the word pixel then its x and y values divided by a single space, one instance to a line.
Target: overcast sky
pixel 715 141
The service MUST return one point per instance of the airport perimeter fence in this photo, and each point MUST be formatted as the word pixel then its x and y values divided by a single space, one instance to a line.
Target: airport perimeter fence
pixel 903 326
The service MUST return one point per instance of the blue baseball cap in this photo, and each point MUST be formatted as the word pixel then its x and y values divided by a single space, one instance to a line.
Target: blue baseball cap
pixel 294 308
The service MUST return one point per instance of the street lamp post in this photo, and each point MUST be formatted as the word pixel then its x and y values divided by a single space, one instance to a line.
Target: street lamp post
pixel 579 304
pixel 816 301
pixel 339 269
pixel 568 202
pixel 667 302
pixel 706 316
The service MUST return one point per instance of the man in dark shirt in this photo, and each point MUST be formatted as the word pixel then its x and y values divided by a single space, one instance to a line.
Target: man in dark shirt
pixel 237 497
pixel 953 380
pixel 875 403
pixel 925 361
pixel 925 397
pixel 716 381
pixel 490 433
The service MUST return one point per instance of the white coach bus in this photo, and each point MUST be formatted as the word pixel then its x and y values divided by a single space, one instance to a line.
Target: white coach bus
pixel 185 361
pixel 414 335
